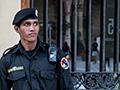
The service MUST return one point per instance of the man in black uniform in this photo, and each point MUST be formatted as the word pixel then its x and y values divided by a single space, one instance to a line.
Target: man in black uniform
pixel 32 64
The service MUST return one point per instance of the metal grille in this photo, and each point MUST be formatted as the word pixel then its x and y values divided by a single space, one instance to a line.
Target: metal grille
pixel 96 80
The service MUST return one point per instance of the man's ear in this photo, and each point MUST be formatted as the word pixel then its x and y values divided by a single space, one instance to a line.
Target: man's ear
pixel 16 28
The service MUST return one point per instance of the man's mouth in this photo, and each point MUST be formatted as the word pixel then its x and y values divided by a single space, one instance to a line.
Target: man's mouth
pixel 32 34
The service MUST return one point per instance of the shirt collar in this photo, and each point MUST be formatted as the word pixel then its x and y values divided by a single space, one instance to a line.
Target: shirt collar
pixel 40 45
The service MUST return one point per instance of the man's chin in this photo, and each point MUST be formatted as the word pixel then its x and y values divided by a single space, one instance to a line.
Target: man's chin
pixel 32 39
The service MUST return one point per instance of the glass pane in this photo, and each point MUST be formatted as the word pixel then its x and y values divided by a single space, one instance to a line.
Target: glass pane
pixel 81 35
pixel 52 18
pixel 39 4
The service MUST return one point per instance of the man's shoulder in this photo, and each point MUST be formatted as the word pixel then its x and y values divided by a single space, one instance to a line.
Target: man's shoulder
pixel 9 50
pixel 45 46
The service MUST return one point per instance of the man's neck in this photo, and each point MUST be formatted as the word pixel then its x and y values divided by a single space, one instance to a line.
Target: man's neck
pixel 29 45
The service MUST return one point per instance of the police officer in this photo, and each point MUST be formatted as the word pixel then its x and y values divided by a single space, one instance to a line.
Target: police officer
pixel 33 64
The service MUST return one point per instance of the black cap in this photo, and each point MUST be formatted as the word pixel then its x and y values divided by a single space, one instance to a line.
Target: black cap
pixel 24 14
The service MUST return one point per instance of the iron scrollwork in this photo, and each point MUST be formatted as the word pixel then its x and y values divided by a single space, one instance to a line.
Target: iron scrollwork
pixel 93 80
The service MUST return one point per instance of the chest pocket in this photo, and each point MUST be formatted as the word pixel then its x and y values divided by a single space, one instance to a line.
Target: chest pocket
pixel 50 75
pixel 16 75
pixel 48 80
pixel 19 80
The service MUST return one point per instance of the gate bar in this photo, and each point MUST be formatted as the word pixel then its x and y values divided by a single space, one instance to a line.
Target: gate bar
pixel 88 36
pixel 102 40
pixel 31 3
pixel 75 34
pixel 45 39
pixel 116 36
pixel 50 34
pixel 59 25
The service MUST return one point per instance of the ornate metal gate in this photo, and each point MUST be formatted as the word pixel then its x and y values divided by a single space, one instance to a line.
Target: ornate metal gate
pixel 96 80
pixel 101 79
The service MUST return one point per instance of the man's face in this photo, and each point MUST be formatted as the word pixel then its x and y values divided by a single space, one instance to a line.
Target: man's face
pixel 28 30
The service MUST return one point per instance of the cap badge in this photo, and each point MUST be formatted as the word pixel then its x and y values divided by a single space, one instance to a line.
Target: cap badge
pixel 36 13
pixel 64 63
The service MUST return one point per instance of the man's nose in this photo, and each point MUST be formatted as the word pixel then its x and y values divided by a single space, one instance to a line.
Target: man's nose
pixel 32 27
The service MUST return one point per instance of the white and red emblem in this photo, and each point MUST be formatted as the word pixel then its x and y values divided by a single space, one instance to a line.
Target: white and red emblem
pixel 64 63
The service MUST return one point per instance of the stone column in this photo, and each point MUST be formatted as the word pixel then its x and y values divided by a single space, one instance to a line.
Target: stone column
pixel 67 11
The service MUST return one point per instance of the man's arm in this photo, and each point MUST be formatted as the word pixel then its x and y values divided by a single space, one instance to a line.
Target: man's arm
pixel 65 79
pixel 5 84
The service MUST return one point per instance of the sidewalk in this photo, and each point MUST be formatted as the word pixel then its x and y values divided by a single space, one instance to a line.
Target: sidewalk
pixel 81 65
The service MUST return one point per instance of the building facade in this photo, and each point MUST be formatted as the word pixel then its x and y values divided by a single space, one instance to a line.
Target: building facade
pixel 8 8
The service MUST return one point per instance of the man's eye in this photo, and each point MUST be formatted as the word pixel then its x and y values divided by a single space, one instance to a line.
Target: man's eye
pixel 35 23
pixel 27 24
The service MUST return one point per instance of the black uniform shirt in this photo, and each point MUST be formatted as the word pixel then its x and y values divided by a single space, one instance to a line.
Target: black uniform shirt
pixel 24 72
pixel 94 46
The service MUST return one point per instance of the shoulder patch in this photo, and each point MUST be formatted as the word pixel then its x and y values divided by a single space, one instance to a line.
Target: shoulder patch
pixel 64 63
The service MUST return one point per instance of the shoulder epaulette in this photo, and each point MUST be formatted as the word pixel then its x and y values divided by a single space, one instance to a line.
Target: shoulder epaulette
pixel 46 46
pixel 9 49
